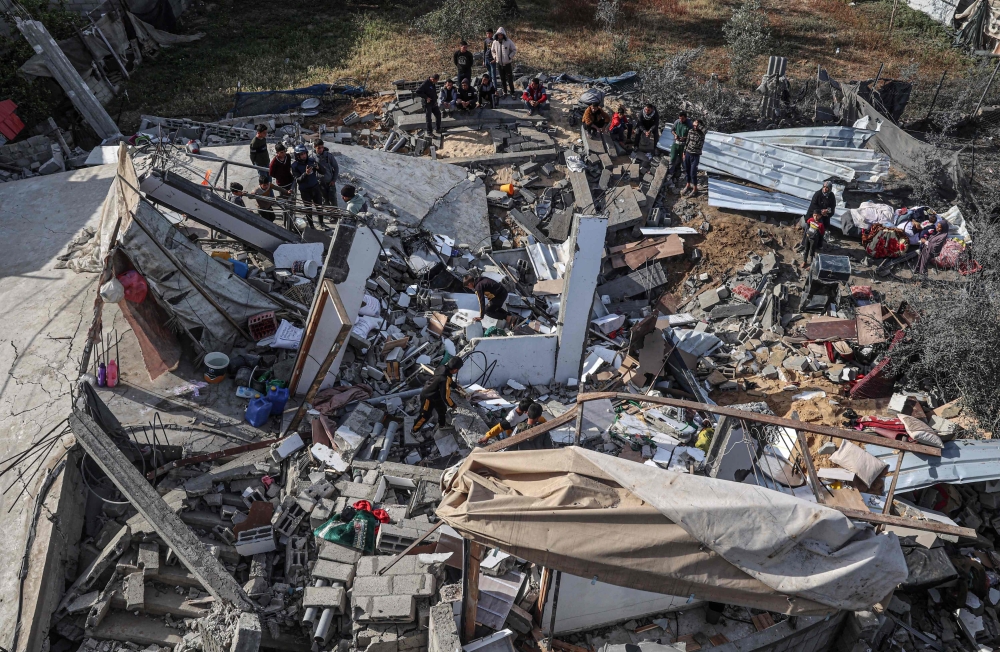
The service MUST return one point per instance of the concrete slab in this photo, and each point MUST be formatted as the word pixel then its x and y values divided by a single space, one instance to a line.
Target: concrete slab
pixel 578 293
pixel 478 119
pixel 47 311
pixel 622 209
pixel 424 192
pixel 529 359
pixel 505 158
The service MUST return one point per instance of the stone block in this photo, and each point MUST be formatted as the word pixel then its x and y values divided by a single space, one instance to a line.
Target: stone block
pixel 442 633
pixel 248 633
pixel 134 590
pixel 408 565
pixel 796 363
pixel 708 299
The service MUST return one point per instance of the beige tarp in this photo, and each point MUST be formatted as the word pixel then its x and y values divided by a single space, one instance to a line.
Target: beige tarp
pixel 629 524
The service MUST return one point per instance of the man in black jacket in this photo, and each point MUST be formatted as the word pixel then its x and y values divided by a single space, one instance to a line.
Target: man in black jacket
pixel 436 394
pixel 463 62
pixel 428 91
pixel 258 148
pixel 466 97
pixel 492 296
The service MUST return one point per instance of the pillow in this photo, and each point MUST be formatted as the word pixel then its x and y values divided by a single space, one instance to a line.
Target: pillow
pixel 864 465
pixel 920 432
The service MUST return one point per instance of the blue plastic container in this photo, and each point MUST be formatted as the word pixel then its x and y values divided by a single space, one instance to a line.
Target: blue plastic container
pixel 240 268
pixel 278 396
pixel 258 412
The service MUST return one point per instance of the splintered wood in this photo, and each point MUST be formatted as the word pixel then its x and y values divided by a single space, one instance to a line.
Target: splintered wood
pixel 635 254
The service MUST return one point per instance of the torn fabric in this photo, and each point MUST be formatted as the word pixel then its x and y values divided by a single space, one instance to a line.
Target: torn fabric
pixel 639 526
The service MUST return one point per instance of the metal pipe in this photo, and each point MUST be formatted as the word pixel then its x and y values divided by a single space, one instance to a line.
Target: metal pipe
pixel 376 400
pixel 390 438
pixel 310 614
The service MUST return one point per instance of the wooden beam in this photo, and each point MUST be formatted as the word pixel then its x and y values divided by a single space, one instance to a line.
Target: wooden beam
pixel 829 431
pixel 892 487
pixel 528 435
pixel 470 601
pixel 902 521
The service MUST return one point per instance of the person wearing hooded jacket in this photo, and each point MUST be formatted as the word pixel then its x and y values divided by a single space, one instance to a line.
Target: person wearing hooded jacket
pixel 504 52
pixel 436 394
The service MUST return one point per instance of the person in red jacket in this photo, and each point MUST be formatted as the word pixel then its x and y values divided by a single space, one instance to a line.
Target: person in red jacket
pixel 812 239
pixel 281 169
pixel 534 97
pixel 621 128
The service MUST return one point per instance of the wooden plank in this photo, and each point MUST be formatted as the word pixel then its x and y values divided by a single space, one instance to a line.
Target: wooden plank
pixel 869 324
pixel 762 621
pixel 553 287
pixel 848 497
pixel 892 487
pixel 833 329
pixel 530 434
pixel 470 600
pixel 674 246
pixel 902 521
pixel 850 435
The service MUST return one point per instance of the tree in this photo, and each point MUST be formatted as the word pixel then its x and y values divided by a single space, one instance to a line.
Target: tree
pixel 748 35
pixel 467 19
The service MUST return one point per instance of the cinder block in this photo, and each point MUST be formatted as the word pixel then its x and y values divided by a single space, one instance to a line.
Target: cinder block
pixel 408 565
pixel 372 586
pixel 356 490
pixel 134 590
pixel 326 597
pixel 415 585
pixel 334 552
pixel 385 609
pixel 334 571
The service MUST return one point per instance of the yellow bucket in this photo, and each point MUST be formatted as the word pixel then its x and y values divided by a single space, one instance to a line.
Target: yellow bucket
pixel 508 188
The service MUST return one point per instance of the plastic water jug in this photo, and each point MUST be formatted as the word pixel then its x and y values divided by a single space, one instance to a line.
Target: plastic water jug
pixel 258 412
pixel 278 396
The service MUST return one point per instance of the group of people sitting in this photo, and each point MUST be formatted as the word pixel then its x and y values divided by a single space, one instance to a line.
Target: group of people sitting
pixel 313 177
pixel 685 153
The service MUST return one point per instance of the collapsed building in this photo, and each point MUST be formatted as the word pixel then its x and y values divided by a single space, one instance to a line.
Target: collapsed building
pixel 211 413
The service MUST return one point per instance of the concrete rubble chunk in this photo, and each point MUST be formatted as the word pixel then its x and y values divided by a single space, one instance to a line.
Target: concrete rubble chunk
pixel 442 633
pixel 134 590
pixel 248 634
pixel 326 597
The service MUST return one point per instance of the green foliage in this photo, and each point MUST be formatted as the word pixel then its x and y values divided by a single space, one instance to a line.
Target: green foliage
pixel 36 99
pixel 748 35
pixel 468 19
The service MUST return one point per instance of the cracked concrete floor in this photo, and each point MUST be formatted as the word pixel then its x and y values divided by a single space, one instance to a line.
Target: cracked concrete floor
pixel 46 314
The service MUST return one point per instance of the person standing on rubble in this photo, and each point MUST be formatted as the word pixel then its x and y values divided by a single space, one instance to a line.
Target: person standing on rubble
pixel 692 157
pixel 680 130
pixel 492 296
pixel 534 97
pixel 466 97
pixel 648 124
pixel 487 92
pixel 258 148
pixel 436 394
pixel 280 170
pixel 428 91
pixel 825 203
pixel 488 61
pixel 306 173
pixel 504 52
pixel 263 194
pixel 463 61
pixel 812 238
pixel 329 169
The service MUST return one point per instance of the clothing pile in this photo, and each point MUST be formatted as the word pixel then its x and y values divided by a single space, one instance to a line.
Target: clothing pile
pixel 885 242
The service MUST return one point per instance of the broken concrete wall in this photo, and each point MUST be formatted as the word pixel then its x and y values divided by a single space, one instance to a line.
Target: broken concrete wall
pixel 528 359
pixel 587 245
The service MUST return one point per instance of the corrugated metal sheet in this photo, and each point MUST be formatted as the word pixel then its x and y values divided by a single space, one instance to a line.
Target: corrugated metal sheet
pixel 770 166
pixel 961 462
pixel 868 165
pixel 549 261
pixel 732 195
pixel 813 136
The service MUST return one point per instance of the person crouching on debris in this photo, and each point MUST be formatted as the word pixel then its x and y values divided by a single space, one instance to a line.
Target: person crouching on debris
pixel 648 124
pixel 237 190
pixel 492 296
pixel 263 194
pixel 595 119
pixel 329 170
pixel 436 394
pixel 449 96
pixel 534 97
pixel 428 91
pixel 258 147
pixel 692 157
pixel 520 412
pixel 466 97
pixel 812 239
pixel 499 432
pixel 487 92
pixel 620 128
pixel 354 202
pixel 306 172
pixel 534 419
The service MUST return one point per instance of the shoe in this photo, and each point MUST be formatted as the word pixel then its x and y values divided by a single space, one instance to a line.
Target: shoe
pixel 694 193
